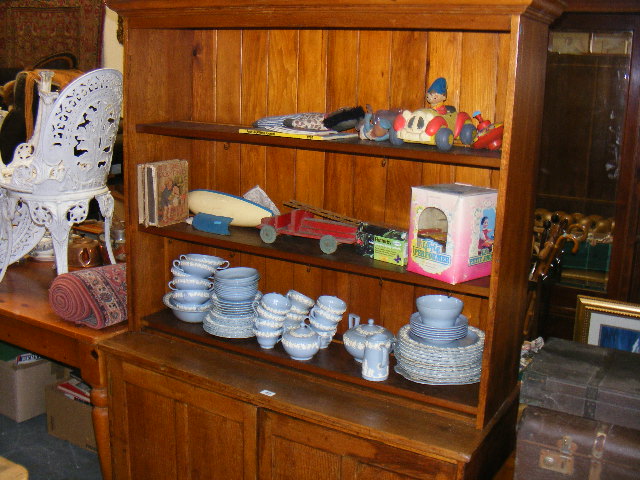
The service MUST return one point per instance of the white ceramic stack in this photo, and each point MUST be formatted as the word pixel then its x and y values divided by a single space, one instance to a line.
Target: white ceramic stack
pixel 438 346
pixel 325 317
pixel 190 296
pixel 300 308
pixel 271 312
pixel 235 290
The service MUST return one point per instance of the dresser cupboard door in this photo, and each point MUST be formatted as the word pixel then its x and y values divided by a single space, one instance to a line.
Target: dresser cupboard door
pixel 166 429
pixel 292 449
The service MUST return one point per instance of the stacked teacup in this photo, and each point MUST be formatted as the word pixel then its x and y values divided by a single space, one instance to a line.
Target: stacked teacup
pixel 235 290
pixel 300 307
pixel 271 311
pixel 439 319
pixel 191 285
pixel 325 317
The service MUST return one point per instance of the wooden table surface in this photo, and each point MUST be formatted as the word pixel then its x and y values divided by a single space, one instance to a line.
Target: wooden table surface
pixel 26 320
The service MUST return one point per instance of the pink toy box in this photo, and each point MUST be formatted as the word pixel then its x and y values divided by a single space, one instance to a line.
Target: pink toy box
pixel 451 231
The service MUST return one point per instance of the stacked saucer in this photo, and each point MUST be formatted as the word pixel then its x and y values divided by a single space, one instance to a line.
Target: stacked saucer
pixel 439 363
pixel 235 290
pixel 435 335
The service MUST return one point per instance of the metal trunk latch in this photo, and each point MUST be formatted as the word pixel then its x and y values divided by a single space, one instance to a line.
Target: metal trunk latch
pixel 560 460
pixel 597 451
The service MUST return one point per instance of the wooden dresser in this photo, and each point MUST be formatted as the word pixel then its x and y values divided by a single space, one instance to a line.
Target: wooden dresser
pixel 186 404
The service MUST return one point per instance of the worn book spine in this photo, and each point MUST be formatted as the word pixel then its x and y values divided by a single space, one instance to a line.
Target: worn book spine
pixel 142 188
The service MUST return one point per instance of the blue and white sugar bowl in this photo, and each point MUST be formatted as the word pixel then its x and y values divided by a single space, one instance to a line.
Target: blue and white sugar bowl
pixel 301 343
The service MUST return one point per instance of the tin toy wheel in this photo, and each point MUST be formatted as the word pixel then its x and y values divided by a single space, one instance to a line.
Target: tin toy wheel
pixel 268 234
pixel 328 244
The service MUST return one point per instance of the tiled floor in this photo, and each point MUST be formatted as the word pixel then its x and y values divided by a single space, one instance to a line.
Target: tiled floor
pixel 46 457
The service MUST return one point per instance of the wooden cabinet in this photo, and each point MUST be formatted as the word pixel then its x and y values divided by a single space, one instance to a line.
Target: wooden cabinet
pixel 195 71
pixel 290 449
pixel 162 428
pixel 196 412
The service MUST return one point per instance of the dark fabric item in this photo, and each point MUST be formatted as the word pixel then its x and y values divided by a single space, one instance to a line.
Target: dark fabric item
pixel 553 445
pixel 584 380
pixel 95 297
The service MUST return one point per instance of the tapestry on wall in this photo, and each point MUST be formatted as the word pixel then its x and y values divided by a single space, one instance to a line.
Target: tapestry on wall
pixel 33 29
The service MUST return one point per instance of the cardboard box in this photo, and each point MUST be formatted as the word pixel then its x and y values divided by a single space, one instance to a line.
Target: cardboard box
pixel 451 231
pixel 69 419
pixel 22 387
pixel 380 243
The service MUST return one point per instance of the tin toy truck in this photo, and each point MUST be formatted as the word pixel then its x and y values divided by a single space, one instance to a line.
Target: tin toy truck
pixel 301 223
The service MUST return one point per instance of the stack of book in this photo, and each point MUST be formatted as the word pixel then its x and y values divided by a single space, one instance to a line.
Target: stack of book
pixel 75 389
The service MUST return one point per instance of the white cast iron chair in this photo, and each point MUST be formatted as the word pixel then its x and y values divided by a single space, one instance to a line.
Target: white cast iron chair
pixel 53 176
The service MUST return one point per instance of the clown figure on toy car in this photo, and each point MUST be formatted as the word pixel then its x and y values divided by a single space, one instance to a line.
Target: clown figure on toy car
pixel 437 125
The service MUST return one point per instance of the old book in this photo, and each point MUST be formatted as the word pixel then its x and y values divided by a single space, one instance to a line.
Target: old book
pixel 163 187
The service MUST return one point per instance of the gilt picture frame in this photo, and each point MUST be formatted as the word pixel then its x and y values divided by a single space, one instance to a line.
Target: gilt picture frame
pixel 607 323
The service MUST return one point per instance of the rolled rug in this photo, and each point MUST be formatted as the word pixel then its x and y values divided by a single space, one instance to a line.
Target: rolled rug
pixel 95 297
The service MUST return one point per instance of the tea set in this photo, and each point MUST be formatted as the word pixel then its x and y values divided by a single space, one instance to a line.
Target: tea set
pixel 437 346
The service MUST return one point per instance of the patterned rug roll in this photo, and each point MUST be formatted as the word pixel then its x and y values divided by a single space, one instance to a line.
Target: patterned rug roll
pixel 95 297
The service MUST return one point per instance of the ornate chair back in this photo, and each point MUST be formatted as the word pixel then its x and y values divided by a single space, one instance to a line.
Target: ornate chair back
pixel 64 165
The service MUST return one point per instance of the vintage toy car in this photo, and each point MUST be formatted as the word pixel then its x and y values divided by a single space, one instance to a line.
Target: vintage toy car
pixel 426 125
pixel 489 134
pixel 304 224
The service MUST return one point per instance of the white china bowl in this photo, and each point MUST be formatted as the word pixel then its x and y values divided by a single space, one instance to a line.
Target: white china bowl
pixel 217 262
pixel 190 283
pixel 197 269
pixel 267 341
pixel 191 297
pixel 299 300
pixel 321 327
pixel 440 310
pixel 332 304
pixel 178 272
pixel 189 317
pixel 237 275
pixel 267 325
pixel 324 316
pixel 264 313
pixel 275 303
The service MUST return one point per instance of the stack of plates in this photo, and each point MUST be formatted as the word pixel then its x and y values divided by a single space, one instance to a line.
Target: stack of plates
pixel 439 363
pixel 431 335
pixel 237 284
pixel 232 314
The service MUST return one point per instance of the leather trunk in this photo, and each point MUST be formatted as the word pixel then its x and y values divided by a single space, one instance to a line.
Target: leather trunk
pixel 585 380
pixel 558 446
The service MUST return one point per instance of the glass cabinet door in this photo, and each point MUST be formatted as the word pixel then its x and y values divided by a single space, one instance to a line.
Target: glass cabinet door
pixel 585 162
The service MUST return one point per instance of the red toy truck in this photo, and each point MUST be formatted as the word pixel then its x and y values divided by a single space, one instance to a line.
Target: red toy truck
pixel 304 224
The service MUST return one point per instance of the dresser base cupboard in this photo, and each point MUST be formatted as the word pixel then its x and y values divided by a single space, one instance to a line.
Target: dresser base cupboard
pixel 196 71
pixel 181 411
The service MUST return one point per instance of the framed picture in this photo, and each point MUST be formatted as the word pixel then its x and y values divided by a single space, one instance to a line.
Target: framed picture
pixel 607 323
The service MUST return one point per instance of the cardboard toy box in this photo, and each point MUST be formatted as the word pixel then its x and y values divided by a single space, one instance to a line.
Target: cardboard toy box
pixel 69 419
pixel 22 387
pixel 451 231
